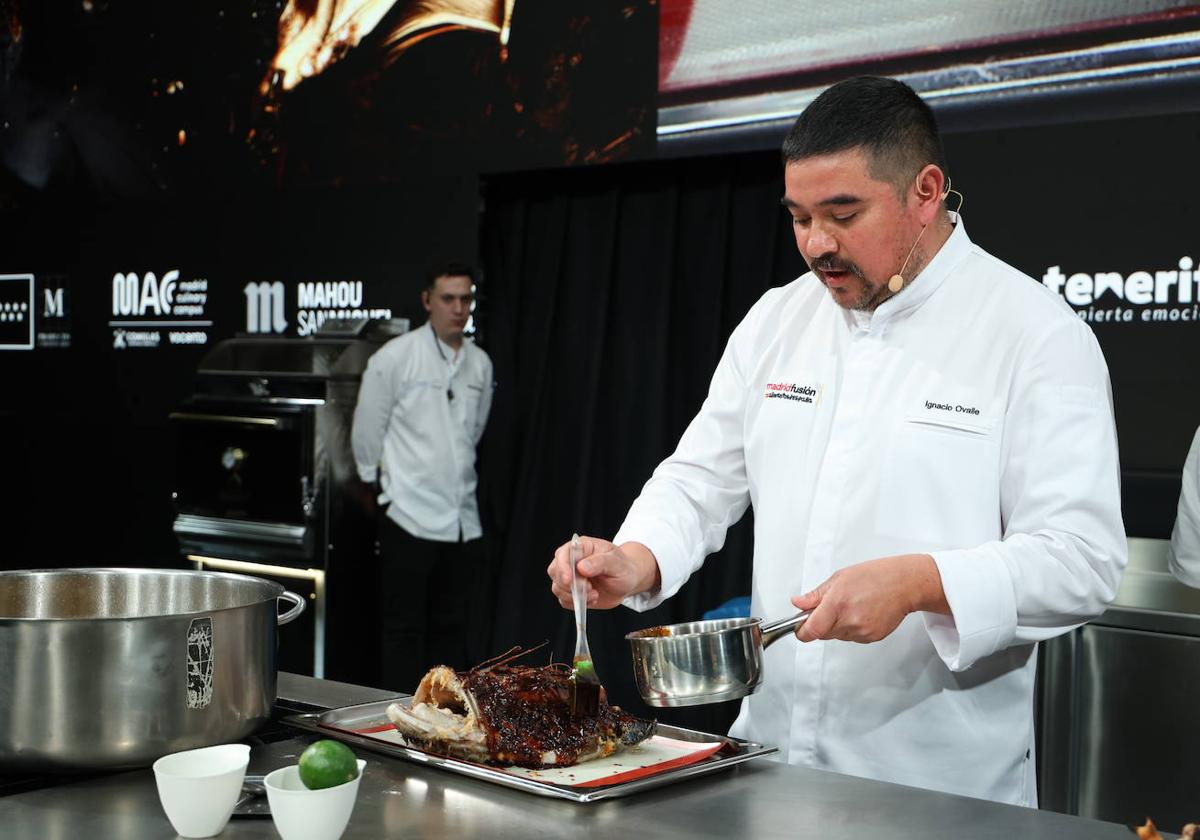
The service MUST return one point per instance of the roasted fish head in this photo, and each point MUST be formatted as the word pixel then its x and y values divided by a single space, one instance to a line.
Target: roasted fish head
pixel 512 715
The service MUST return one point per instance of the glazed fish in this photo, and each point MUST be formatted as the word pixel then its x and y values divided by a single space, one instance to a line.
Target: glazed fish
pixel 507 715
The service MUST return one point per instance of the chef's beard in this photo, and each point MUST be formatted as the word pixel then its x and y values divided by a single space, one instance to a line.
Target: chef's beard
pixel 868 296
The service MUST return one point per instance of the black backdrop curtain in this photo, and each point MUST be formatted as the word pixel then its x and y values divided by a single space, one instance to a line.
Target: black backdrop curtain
pixel 609 296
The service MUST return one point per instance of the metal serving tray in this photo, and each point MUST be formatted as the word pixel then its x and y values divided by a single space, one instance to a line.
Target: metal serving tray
pixel 341 723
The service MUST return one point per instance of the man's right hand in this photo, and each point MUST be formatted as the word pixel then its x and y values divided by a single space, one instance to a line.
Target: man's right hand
pixel 612 573
pixel 367 494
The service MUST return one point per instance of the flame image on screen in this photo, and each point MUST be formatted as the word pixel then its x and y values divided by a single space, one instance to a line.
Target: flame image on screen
pixel 315 33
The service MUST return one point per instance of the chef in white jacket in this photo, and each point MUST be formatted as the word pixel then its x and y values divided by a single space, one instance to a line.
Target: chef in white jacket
pixel 927 438
pixel 1185 536
pixel 422 408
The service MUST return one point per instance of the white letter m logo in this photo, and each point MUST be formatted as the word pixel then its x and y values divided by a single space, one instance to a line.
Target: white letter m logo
pixel 264 307
pixel 54 303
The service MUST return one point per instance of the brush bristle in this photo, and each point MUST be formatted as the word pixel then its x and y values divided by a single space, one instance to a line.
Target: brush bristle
pixel 585 698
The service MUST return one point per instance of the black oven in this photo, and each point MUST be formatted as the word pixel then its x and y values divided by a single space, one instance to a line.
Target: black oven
pixel 246 483
pixel 266 482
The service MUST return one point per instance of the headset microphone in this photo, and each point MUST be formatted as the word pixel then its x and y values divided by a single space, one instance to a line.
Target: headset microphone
pixel 896 282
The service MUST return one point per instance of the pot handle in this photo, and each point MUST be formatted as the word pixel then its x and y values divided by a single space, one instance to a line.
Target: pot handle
pixel 783 627
pixel 294 612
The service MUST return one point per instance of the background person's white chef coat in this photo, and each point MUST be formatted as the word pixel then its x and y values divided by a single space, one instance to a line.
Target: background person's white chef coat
pixel 969 417
pixel 1185 536
pixel 424 441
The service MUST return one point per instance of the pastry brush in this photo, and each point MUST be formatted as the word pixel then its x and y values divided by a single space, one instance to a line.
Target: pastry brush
pixel 585 685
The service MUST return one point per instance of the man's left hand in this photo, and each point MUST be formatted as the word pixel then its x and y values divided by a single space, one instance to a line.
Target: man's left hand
pixel 867 601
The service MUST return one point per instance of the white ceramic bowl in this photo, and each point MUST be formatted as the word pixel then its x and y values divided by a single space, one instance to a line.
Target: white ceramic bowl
pixel 303 814
pixel 198 788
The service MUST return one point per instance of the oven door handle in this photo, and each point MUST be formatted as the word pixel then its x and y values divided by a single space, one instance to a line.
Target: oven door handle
pixel 294 612
pixel 197 417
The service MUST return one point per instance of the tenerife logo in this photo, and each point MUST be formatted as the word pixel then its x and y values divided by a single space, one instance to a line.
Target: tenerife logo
pixel 153 302
pixel 264 307
pixel 792 391
pixel 1166 295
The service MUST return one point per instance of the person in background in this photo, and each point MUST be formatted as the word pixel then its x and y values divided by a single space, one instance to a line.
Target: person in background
pixel 421 411
pixel 1185 536
pixel 927 438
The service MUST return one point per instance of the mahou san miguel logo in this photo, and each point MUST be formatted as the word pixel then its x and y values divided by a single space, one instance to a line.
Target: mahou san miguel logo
pixel 1168 295
pixel 315 303
pixel 264 307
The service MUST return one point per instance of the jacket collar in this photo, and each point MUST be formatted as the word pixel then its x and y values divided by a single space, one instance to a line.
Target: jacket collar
pixel 923 286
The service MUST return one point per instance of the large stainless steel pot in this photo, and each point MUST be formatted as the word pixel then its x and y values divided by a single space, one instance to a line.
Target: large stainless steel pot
pixel 703 661
pixel 109 668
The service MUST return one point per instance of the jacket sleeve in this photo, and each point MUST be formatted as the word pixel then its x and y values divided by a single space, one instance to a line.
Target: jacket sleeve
pixel 376 397
pixel 1185 537
pixel 484 407
pixel 1063 549
pixel 685 509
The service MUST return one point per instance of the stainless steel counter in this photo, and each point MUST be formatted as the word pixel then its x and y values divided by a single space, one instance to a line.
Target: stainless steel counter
pixel 1150 598
pixel 761 799
pixel 1119 728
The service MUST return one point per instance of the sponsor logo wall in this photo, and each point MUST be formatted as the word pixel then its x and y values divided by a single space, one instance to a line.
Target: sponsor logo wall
pixel 54 315
pixel 149 311
pixel 302 308
pixel 34 312
pixel 16 311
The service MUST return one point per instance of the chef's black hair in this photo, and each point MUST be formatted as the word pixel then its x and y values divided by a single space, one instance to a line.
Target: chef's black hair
pixel 448 268
pixel 884 117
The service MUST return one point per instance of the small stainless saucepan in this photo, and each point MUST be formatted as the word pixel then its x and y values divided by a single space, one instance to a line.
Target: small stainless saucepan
pixel 704 661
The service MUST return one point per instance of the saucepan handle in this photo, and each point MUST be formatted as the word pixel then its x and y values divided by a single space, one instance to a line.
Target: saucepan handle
pixel 782 627
pixel 294 612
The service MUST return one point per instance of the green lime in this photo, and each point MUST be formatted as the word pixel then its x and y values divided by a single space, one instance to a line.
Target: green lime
pixel 325 764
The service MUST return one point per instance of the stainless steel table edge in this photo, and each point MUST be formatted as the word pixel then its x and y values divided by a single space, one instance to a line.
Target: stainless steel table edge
pixel 327 723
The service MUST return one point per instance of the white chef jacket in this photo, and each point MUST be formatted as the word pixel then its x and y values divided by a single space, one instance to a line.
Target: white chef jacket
pixel 969 417
pixel 1185 537
pixel 425 441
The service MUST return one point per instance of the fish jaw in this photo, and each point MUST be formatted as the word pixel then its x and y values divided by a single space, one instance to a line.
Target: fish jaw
pixel 441 718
